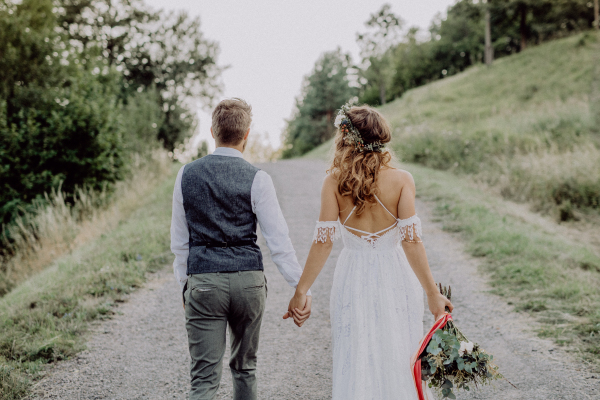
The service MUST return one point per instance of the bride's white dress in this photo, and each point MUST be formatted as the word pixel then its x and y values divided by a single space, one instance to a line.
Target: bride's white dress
pixel 376 312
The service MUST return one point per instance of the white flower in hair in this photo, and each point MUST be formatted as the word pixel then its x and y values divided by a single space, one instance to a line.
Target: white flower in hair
pixel 338 120
pixel 351 134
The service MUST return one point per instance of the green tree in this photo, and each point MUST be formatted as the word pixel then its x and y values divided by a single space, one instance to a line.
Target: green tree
pixel 458 40
pixel 181 64
pixel 413 65
pixel 156 51
pixel 59 122
pixel 323 92
pixel 29 61
pixel 375 44
pixel 108 25
pixel 519 22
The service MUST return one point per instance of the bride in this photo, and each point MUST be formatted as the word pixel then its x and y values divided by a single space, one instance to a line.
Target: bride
pixel 376 301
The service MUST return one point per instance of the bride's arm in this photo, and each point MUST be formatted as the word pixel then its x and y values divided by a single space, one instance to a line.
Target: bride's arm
pixel 415 252
pixel 319 252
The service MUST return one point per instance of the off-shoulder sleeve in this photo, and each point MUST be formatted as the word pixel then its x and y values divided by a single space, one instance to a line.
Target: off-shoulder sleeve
pixel 410 229
pixel 326 230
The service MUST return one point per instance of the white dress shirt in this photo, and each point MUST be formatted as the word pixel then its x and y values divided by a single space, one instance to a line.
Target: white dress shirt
pixel 269 216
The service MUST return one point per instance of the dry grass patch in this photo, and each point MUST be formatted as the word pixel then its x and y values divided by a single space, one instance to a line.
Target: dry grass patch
pixel 57 227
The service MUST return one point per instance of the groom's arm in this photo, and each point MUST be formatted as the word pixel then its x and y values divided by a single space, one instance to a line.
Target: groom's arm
pixel 274 228
pixel 179 234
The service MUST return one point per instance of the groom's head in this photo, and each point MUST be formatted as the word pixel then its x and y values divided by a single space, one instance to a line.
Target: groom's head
pixel 231 121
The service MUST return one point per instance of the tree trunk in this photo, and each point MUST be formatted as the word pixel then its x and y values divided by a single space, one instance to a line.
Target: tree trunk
pixel 597 14
pixel 382 93
pixel 523 27
pixel 489 55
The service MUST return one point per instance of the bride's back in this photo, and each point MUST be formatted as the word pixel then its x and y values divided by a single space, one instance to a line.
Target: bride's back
pixel 374 217
pixel 361 175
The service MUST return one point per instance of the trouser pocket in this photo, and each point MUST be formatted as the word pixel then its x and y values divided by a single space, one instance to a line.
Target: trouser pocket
pixel 184 290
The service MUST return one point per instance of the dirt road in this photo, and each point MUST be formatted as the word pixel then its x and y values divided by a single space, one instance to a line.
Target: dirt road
pixel 142 352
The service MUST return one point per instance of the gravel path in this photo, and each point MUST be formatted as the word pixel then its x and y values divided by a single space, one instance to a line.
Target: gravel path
pixel 142 352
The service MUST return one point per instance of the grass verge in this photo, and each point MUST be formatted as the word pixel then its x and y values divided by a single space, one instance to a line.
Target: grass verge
pixel 554 279
pixel 44 319
pixel 56 226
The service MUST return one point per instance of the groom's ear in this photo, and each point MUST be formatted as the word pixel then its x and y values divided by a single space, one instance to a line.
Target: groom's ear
pixel 246 135
pixel 211 132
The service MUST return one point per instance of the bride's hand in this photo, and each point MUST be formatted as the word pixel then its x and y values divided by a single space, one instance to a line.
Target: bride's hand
pixel 299 308
pixel 438 303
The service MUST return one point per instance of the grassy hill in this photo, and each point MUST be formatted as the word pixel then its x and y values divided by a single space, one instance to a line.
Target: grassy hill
pixel 527 126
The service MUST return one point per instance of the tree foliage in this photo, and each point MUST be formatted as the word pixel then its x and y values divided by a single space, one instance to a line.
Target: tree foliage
pixel 84 83
pixel 457 41
pixel 384 33
pixel 323 92
pixel 156 51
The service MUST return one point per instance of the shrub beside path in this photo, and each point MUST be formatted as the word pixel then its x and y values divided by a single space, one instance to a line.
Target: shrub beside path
pixel 141 353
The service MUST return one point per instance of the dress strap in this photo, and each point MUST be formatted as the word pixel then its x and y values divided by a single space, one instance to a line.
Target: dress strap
pixel 348 217
pixel 384 207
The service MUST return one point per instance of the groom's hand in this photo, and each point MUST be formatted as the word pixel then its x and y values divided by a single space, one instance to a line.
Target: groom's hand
pixel 299 308
pixel 301 315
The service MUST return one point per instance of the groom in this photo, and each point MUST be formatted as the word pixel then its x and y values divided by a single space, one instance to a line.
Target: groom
pixel 217 202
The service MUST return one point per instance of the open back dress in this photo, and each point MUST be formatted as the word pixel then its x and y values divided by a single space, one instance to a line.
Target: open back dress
pixel 376 310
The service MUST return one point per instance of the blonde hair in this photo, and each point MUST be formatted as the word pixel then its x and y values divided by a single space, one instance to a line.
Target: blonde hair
pixel 231 120
pixel 356 171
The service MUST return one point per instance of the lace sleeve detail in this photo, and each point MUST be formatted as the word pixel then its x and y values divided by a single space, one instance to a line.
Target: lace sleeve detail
pixel 326 230
pixel 409 228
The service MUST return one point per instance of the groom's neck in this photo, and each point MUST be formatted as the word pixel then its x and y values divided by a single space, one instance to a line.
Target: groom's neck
pixel 239 147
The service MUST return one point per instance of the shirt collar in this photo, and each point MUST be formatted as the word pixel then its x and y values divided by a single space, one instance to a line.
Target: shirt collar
pixel 227 152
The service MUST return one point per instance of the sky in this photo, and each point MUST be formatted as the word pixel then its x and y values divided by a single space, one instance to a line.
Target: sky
pixel 271 45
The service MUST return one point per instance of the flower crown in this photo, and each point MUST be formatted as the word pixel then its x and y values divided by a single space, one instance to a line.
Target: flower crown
pixel 351 134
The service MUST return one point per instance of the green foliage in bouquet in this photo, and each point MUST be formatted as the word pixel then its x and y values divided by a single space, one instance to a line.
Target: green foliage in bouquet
pixel 450 360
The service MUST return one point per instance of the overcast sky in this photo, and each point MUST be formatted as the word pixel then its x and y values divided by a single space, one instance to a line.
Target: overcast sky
pixel 270 45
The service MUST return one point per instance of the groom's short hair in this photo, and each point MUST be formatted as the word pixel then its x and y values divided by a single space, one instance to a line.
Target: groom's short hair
pixel 231 120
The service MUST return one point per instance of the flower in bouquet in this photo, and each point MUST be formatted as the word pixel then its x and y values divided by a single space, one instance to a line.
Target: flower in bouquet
pixel 447 360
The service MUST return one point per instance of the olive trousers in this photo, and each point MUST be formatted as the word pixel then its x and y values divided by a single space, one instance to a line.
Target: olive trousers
pixel 212 302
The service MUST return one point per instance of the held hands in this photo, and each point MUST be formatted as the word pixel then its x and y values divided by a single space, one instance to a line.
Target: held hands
pixel 438 303
pixel 299 308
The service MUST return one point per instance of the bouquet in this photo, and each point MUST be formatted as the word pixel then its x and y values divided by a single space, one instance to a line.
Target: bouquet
pixel 446 359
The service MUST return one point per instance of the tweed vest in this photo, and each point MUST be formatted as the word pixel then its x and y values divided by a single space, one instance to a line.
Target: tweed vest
pixel 218 209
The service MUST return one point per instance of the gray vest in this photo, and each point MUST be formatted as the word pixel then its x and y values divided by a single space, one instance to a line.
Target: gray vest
pixel 218 209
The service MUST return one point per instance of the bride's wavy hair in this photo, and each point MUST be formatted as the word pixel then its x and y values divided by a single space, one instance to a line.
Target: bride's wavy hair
pixel 356 171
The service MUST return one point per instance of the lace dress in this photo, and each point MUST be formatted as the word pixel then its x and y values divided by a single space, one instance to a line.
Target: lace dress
pixel 376 311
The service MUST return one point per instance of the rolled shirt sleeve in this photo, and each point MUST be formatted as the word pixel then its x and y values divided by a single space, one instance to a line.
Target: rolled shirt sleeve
pixel 274 228
pixel 179 233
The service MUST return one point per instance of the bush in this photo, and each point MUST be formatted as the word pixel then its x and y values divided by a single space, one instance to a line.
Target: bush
pixel 70 141
pixel 142 119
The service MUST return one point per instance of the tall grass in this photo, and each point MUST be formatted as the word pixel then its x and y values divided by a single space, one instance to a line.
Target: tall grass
pixel 528 113
pixel 44 318
pixel 555 180
pixel 57 226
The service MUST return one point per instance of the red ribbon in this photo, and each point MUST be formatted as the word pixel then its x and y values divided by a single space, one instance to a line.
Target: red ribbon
pixel 415 362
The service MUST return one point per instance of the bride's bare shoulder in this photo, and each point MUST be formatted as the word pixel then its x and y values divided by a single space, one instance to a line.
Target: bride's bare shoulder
pixel 330 182
pixel 398 176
